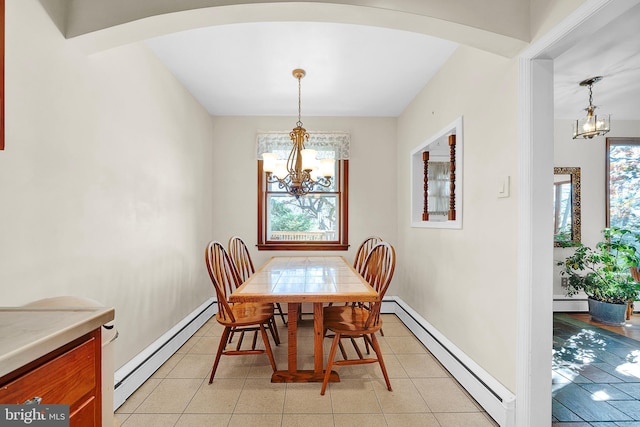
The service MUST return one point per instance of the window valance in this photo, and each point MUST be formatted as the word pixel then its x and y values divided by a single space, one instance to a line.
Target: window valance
pixel 329 145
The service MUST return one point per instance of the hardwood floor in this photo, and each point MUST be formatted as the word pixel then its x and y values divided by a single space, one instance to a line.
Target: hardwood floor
pixel 596 372
pixel 631 329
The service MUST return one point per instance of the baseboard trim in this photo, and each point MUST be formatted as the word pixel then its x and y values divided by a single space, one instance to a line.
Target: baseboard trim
pixel 562 303
pixel 496 399
pixel 486 390
pixel 139 369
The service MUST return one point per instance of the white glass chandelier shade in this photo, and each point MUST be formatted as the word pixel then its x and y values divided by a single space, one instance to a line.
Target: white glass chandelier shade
pixel 302 172
pixel 593 124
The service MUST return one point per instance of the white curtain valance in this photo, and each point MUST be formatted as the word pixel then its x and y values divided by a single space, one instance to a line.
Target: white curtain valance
pixel 329 145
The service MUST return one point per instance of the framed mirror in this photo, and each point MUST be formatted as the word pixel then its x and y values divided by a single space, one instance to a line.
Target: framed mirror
pixel 566 206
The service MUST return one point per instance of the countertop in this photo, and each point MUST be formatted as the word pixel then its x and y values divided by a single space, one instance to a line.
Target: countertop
pixel 27 333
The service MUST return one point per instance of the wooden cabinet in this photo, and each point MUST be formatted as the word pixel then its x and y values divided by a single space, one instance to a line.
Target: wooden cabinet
pixel 69 375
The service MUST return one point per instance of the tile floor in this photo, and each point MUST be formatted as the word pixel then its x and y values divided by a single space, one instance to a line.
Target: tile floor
pixel 424 394
pixel 596 376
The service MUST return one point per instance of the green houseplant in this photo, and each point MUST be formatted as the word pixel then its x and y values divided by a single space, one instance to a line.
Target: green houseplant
pixel 605 273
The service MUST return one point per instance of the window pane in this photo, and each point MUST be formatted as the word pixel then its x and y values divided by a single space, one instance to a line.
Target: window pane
pixel 624 185
pixel 562 212
pixel 310 218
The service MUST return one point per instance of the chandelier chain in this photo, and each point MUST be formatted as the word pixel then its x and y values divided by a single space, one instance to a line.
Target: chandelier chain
pixel 299 123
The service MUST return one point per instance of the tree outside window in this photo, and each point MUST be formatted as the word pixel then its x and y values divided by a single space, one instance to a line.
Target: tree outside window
pixel 623 183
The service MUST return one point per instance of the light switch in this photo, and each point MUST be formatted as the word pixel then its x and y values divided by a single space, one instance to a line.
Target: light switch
pixel 503 186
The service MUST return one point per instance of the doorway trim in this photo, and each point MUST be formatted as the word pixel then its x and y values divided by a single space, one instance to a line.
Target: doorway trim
pixel 535 229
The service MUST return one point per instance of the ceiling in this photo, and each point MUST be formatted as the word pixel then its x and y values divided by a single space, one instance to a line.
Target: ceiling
pixel 357 70
pixel 613 52
pixel 352 70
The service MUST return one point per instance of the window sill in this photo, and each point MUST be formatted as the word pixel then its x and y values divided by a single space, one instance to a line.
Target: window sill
pixel 302 246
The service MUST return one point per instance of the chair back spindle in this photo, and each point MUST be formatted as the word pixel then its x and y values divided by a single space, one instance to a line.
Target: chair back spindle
pixel 224 276
pixel 378 270
pixel 241 258
pixel 363 251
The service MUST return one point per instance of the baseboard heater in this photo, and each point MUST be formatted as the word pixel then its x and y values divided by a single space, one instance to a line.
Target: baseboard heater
pixel 498 401
pixel 139 369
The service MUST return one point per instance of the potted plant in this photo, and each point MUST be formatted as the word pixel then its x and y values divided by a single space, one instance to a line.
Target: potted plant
pixel 605 274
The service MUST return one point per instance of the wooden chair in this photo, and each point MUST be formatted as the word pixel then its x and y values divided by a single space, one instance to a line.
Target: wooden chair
pixel 363 320
pixel 363 251
pixel 238 317
pixel 242 259
pixel 358 264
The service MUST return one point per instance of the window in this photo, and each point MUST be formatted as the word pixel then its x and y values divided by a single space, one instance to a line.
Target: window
pixel 316 221
pixel 623 183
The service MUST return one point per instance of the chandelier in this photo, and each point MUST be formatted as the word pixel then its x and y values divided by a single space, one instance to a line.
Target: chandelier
pixel 592 125
pixel 302 172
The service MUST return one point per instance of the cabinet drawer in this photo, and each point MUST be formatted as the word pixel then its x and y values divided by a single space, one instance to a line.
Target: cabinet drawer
pixel 63 380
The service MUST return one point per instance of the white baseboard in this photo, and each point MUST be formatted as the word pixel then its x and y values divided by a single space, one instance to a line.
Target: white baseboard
pixel 138 370
pixel 487 391
pixel 496 399
pixel 562 303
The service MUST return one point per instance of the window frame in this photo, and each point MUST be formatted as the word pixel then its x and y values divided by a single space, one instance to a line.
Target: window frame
pixel 609 143
pixel 342 190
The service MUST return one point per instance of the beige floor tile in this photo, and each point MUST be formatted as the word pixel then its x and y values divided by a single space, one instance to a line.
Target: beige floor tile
pixel 118 419
pixel 422 365
pixel 390 318
pixel 170 396
pixel 306 398
pixel 351 420
pixel 384 346
pixel 188 344
pixel 306 420
pixel 395 329
pixel 260 397
pixel 412 420
pixel 463 420
pixel 403 345
pixel 404 397
pixel 193 366
pixel 444 395
pixel 220 397
pixel 262 420
pixel 262 368
pixel 130 405
pixel 178 394
pixel 155 420
pixel 354 372
pixel 394 368
pixel 203 420
pixel 214 329
pixel 205 345
pixel 167 366
pixel 233 366
pixel 353 396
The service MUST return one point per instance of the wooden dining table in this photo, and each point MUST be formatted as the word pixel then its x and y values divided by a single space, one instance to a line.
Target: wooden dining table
pixel 304 279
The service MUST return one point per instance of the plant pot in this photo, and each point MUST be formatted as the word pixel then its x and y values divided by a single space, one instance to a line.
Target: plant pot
pixel 607 313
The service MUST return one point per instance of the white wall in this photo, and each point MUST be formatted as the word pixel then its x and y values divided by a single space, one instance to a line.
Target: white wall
pixel 372 177
pixel 590 156
pixel 464 281
pixel 105 181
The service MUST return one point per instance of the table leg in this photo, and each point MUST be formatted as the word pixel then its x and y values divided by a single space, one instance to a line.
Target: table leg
pixel 318 338
pixel 292 330
pixel 292 374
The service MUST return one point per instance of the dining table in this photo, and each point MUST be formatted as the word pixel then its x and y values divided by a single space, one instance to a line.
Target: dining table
pixel 304 279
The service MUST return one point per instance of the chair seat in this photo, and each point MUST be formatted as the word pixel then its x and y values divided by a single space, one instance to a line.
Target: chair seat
pixel 247 314
pixel 349 321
